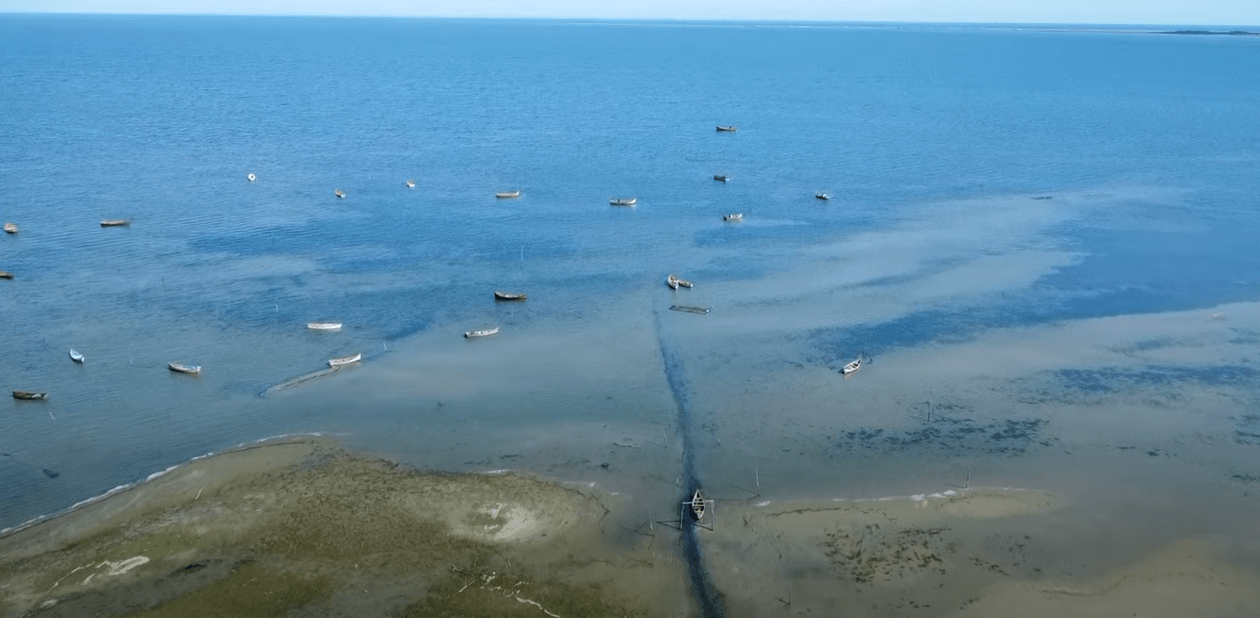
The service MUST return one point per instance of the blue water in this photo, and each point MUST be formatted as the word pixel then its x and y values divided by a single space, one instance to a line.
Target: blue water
pixel 159 119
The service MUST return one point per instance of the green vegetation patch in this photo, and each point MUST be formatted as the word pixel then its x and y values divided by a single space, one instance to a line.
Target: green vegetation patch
pixel 249 590
pixel 480 593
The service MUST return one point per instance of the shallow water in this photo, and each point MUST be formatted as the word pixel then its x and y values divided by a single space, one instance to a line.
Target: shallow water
pixel 935 256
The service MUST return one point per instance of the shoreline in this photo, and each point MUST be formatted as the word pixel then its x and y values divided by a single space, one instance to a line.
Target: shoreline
pixel 384 538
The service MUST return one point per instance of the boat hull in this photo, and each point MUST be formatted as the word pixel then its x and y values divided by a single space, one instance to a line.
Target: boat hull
pixel 182 368
pixel 475 334
pixel 324 326
pixel 29 396
pixel 346 360
pixel 510 295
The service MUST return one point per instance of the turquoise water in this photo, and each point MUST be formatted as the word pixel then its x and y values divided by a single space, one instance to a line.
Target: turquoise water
pixel 934 139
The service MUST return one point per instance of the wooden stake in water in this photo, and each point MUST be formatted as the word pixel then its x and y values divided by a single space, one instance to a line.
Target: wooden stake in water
pixel 757 472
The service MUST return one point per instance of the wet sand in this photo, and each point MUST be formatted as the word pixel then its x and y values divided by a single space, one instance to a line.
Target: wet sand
pixel 306 528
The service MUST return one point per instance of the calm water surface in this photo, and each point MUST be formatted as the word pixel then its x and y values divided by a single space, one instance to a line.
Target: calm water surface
pixel 932 141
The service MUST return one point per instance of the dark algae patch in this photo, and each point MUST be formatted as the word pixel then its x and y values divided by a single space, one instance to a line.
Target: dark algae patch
pixel 947 434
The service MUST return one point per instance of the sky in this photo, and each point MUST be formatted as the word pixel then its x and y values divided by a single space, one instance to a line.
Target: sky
pixel 1174 12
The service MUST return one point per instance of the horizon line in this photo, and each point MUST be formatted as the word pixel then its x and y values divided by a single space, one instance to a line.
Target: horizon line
pixel 767 20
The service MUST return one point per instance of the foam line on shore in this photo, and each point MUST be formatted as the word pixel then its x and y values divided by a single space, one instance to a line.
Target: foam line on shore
pixel 126 486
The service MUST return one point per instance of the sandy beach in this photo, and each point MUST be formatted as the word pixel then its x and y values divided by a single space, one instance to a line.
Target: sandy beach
pixel 305 527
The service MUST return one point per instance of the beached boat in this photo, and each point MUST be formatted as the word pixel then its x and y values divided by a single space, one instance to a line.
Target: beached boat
pixel 507 194
pixel 115 222
pixel 345 360
pixel 324 325
pixel 11 228
pixel 851 367
pixel 630 201
pixel 251 177
pixel 4 274
pixel 411 184
pixel 697 505
pixel 735 216
pixel 822 196
pixel 182 368
pixel 473 334
pixel 721 177
pixel 674 282
pixel 76 356
pixel 339 193
pixel 727 128
pixel 28 395
pixel 510 295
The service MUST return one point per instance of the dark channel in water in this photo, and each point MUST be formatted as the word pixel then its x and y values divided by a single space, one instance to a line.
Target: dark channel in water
pixel 708 598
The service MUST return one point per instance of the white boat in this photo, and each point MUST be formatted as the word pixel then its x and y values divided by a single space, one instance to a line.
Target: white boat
pixel 674 282
pixel 75 356
pixel 339 193
pixel 473 334
pixel 411 184
pixel 852 367
pixel 735 216
pixel 251 177
pixel 324 325
pixel 345 360
pixel 182 368
pixel 499 295
pixel 697 505
pixel 727 128
pixel 11 228
pixel 115 222
pixel 507 194
pixel 630 201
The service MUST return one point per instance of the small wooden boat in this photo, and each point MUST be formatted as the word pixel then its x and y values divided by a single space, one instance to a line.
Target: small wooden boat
pixel 29 396
pixel 182 368
pixel 697 505
pixel 735 216
pixel 721 177
pixel 75 356
pixel 630 201
pixel 251 177
pixel 473 334
pixel 11 228
pixel 507 194
pixel 115 222
pixel 339 193
pixel 324 325
pixel 852 367
pixel 411 184
pixel 690 309
pixel 822 196
pixel 345 360
pixel 727 128
pixel 510 295
pixel 674 282
pixel 4 274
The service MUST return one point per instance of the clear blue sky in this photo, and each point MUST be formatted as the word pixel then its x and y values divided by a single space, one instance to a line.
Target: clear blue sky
pixel 1216 12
